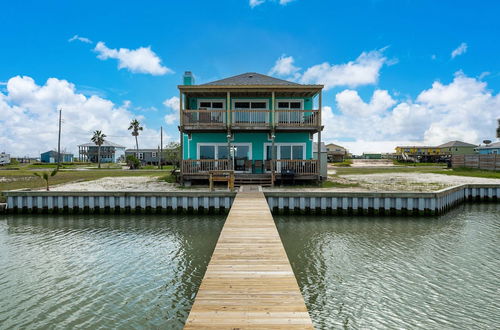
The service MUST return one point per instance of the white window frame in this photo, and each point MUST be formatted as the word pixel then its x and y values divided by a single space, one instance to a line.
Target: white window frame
pixel 217 144
pixel 154 154
pixel 278 151
pixel 289 100
pixel 140 155
pixel 233 101
pixel 212 100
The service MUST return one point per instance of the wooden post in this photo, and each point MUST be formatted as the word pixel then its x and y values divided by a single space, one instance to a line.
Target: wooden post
pixel 181 113
pixel 273 98
pixel 320 101
pixel 228 110
pixel 273 158
pixel 181 165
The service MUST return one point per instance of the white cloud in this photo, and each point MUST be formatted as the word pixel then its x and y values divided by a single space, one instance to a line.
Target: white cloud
pixel 82 39
pixel 362 71
pixel 255 3
pixel 459 50
pixel 461 110
pixel 140 60
pixel 284 67
pixel 29 118
pixel 174 104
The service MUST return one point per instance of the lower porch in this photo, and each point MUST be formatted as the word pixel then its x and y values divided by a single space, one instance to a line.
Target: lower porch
pixel 252 171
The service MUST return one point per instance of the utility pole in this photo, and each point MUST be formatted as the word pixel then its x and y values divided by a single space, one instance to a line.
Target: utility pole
pixel 161 148
pixel 59 142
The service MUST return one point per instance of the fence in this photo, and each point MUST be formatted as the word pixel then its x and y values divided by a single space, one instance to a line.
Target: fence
pixel 484 162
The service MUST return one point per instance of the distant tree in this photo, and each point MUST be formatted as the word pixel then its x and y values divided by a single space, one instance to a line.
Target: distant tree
pixel 172 154
pixel 98 139
pixel 45 176
pixel 135 127
pixel 133 162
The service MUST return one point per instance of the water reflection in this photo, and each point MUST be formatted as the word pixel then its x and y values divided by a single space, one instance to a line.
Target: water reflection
pixel 102 271
pixel 367 272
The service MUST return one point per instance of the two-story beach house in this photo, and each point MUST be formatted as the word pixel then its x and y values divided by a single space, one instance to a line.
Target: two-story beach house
pixel 260 127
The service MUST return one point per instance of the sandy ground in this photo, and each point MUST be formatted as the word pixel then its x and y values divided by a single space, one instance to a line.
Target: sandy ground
pixel 412 181
pixel 372 163
pixel 131 183
pixel 366 182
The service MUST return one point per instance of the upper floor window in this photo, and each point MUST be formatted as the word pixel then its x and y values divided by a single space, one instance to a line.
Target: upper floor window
pixel 140 155
pixel 289 105
pixel 211 104
pixel 153 154
pixel 250 105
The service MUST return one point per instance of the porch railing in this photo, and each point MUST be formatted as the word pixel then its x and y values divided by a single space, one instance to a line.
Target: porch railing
pixel 297 166
pixel 201 166
pixel 204 117
pixel 301 118
pixel 251 118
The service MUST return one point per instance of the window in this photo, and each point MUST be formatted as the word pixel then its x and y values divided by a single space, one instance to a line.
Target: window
pixel 250 105
pixel 286 151
pixel 289 105
pixel 210 105
pixel 297 152
pixel 222 152
pixel 207 152
pixel 140 156
pixel 153 154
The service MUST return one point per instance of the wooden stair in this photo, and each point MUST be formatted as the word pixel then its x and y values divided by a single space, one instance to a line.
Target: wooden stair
pixel 264 179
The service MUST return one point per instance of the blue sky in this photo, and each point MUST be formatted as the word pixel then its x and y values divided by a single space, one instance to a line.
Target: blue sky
pixel 389 62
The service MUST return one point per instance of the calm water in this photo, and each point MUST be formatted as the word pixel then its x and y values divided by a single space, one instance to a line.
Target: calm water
pixel 378 273
pixel 102 271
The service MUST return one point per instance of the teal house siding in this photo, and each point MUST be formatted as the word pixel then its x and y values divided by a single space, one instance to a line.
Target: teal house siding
pixel 257 139
pixel 269 113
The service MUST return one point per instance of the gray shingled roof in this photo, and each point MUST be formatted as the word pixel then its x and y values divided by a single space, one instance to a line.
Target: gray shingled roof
pixel 105 144
pixel 251 78
pixel 456 144
pixel 493 145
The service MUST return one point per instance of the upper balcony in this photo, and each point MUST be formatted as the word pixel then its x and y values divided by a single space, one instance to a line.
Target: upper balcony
pixel 250 119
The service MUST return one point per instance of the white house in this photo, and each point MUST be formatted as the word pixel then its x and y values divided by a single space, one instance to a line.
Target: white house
pixel 4 159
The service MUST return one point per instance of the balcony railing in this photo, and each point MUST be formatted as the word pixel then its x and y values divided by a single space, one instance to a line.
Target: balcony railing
pixel 251 118
pixel 204 117
pixel 297 166
pixel 301 118
pixel 203 166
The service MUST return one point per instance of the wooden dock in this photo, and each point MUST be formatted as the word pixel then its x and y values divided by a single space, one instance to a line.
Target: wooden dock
pixel 249 283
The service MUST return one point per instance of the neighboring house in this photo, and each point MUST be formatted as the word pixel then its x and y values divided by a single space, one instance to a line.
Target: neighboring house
pixel 4 159
pixel 372 155
pixel 492 148
pixel 456 148
pixel 146 156
pixel 324 158
pixel 110 152
pixel 233 124
pixel 336 153
pixel 422 153
pixel 51 157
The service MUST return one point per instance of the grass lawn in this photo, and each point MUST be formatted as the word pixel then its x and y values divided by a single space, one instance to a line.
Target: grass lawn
pixel 345 163
pixel 20 179
pixel 422 169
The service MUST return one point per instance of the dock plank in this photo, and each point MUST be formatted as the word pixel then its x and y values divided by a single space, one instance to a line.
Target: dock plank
pixel 249 282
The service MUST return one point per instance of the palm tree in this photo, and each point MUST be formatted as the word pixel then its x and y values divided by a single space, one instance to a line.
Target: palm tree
pixel 98 139
pixel 46 176
pixel 135 126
